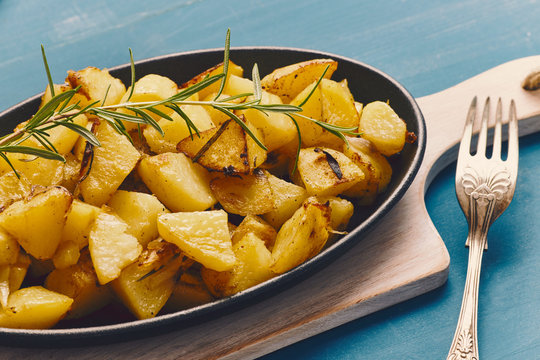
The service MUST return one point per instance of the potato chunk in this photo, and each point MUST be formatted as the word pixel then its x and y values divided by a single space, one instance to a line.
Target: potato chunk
pixel 225 149
pixel 234 69
pixel 9 248
pixel 95 84
pixel 277 128
pixel 112 163
pixel 34 308
pixel 302 236
pixel 375 166
pixel 252 267
pixel 80 283
pixel 201 235
pixel 140 212
pixel 79 221
pixel 383 127
pixel 257 226
pixel 289 81
pixel 177 130
pixel 177 182
pixel 245 194
pixel 287 198
pixel 111 247
pixel 327 172
pixel 338 109
pixel 150 87
pixel 37 222
pixel 145 285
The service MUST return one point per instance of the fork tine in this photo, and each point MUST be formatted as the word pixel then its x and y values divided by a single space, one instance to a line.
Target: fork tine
pixel 497 137
pixel 465 146
pixel 513 146
pixel 482 137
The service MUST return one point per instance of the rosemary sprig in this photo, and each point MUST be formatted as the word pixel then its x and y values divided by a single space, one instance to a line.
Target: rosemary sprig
pixel 60 111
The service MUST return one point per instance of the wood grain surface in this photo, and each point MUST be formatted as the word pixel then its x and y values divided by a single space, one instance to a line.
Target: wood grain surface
pixel 403 257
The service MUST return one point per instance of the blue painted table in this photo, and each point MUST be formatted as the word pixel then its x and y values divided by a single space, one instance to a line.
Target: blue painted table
pixel 426 45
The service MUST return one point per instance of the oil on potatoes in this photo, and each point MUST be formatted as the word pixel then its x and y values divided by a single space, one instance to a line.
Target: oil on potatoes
pixel 164 223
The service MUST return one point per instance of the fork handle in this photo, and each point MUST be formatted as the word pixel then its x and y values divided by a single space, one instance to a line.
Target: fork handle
pixel 465 343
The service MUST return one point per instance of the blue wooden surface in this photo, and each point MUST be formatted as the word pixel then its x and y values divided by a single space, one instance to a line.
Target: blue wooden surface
pixel 426 45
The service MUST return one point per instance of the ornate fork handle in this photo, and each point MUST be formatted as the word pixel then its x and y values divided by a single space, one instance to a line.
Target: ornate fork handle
pixel 482 201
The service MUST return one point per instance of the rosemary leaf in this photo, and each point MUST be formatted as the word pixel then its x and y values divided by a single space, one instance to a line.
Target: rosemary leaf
pixel 132 65
pixel 159 113
pixel 43 153
pixel 81 130
pixel 147 119
pixel 299 142
pixel 47 70
pixel 193 89
pixel 257 88
pixel 49 108
pixel 225 63
pixel 10 164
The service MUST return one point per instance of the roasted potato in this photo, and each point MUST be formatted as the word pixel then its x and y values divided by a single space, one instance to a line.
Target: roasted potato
pixel 201 235
pixel 228 149
pixel 302 236
pixel 383 127
pixel 244 194
pixel 37 222
pixel 167 222
pixel 324 171
pixel 111 247
pixel 289 81
pixel 178 183
pixel 110 163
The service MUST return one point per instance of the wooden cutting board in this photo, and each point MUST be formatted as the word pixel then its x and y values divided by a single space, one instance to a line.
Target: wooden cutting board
pixel 402 257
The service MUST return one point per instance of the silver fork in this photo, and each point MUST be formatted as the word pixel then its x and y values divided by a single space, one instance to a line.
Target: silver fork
pixel 484 188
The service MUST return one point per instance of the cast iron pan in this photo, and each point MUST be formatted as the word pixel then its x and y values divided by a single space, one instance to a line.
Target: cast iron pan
pixel 366 83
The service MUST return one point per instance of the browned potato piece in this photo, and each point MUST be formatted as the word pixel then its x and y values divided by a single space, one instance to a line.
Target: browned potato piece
pixel 383 127
pixel 302 236
pixel 287 198
pixel 37 222
pixel 252 267
pixel 341 211
pixel 289 81
pixel 327 172
pixel 145 285
pixel 257 226
pixel 95 84
pixel 34 308
pixel 338 109
pixel 112 163
pixel 234 69
pixel 80 283
pixel 226 149
pixel 245 194
pixel 374 165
